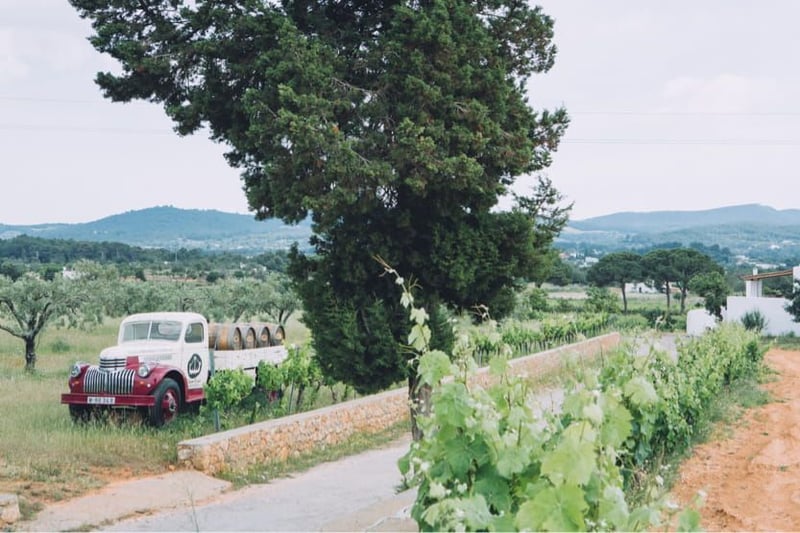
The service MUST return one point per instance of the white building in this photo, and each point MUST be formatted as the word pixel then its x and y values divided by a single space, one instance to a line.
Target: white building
pixel 778 320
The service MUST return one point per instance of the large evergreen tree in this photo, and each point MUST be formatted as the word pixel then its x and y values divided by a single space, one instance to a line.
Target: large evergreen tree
pixel 396 125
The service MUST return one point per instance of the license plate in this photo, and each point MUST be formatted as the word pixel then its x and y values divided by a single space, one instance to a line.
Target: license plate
pixel 101 400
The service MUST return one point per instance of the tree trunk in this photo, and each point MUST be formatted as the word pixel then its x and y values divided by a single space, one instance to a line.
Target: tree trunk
pixel 624 298
pixel 419 396
pixel 30 353
pixel 683 299
pixel 669 291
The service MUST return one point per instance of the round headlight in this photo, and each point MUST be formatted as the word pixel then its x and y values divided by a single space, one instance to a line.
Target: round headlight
pixel 75 371
pixel 144 370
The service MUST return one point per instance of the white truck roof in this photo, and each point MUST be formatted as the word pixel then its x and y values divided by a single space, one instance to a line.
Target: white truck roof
pixel 176 316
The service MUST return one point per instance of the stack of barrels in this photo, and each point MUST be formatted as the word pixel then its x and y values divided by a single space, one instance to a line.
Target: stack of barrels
pixel 244 335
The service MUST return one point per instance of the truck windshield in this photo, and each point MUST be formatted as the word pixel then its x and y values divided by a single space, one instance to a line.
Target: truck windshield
pixel 165 330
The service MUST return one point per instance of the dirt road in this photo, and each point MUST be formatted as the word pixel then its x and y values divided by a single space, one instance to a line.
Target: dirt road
pixel 752 476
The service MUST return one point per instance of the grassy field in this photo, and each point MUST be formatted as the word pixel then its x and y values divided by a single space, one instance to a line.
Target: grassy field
pixel 44 456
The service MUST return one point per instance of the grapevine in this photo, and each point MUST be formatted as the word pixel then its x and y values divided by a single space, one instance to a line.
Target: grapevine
pixel 488 460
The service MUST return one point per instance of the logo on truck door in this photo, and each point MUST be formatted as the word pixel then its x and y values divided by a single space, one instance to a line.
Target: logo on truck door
pixel 195 366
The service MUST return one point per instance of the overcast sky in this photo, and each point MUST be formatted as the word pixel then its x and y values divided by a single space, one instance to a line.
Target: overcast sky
pixel 674 105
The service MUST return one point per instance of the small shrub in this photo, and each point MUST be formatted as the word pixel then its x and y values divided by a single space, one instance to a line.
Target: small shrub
pixel 227 388
pixel 601 300
pixel 754 321
pixel 630 322
pixel 60 346
pixel 534 302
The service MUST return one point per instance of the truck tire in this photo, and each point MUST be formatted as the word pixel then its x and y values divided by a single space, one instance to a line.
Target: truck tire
pixel 167 403
pixel 80 414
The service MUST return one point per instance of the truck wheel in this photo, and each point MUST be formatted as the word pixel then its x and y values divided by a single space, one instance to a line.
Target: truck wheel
pixel 80 414
pixel 168 401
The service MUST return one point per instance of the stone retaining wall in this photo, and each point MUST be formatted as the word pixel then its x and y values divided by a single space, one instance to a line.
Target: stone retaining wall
pixel 9 509
pixel 281 438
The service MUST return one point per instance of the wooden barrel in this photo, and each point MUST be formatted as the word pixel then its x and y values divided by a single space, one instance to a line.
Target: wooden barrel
pixel 225 336
pixel 248 334
pixel 278 336
pixel 263 334
pixel 269 334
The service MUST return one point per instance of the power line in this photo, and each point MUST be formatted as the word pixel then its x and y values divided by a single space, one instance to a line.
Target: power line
pixel 689 113
pixel 35 100
pixel 689 142
pixel 608 112
pixel 609 141
pixel 83 129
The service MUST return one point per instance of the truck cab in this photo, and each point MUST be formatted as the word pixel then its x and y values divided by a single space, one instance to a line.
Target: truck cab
pixel 176 339
pixel 159 366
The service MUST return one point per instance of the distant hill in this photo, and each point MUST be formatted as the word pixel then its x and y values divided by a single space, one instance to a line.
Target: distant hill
pixel 755 231
pixel 170 227
pixel 664 221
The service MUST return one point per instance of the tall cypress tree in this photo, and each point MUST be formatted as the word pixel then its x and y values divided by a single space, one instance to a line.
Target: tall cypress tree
pixel 395 125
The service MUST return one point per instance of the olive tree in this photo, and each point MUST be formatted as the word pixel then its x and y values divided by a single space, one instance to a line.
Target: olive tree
pixel 618 268
pixel 714 290
pixel 29 304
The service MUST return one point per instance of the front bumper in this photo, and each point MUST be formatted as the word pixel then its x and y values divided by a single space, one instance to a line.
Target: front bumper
pixel 108 400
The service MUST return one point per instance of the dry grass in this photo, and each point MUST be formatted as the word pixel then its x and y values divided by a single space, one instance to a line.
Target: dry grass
pixel 44 456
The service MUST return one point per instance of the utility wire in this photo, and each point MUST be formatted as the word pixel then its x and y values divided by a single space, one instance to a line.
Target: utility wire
pixel 605 112
pixel 699 142
pixel 608 141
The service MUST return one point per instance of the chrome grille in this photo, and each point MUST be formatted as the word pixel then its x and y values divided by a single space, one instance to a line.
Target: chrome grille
pixel 112 363
pixel 119 382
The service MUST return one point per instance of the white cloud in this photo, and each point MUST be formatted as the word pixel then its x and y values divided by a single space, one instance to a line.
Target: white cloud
pixel 11 65
pixel 724 93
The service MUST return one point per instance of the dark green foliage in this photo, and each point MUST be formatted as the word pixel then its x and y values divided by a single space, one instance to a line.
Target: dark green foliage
pixel 214 276
pixel 677 266
pixel 617 268
pixel 227 388
pixel 794 304
pixel 354 339
pixel 396 126
pixel 601 300
pixel 713 287
pixel 60 251
pixel 29 304
pixel 532 303
pixel 563 273
pixel 11 270
pixel 754 321
pixel 781 287
pixel 686 387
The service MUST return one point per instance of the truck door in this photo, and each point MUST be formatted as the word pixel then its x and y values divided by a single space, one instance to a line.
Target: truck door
pixel 195 357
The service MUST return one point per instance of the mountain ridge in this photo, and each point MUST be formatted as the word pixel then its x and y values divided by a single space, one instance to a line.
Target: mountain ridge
pixel 661 221
pixel 172 227
pixel 742 228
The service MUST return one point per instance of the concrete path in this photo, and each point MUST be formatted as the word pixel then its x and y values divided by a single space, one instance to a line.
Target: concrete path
pixel 181 489
pixel 357 493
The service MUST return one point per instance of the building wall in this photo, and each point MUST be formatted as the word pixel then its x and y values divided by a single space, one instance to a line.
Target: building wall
pixel 282 438
pixel 779 321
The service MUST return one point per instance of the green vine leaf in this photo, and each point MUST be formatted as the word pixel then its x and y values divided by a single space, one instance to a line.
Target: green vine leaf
pixel 553 509
pixel 571 462
pixel 419 337
pixel 613 508
pixel 433 367
pixel 640 391
pixel 494 488
pixel 617 424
